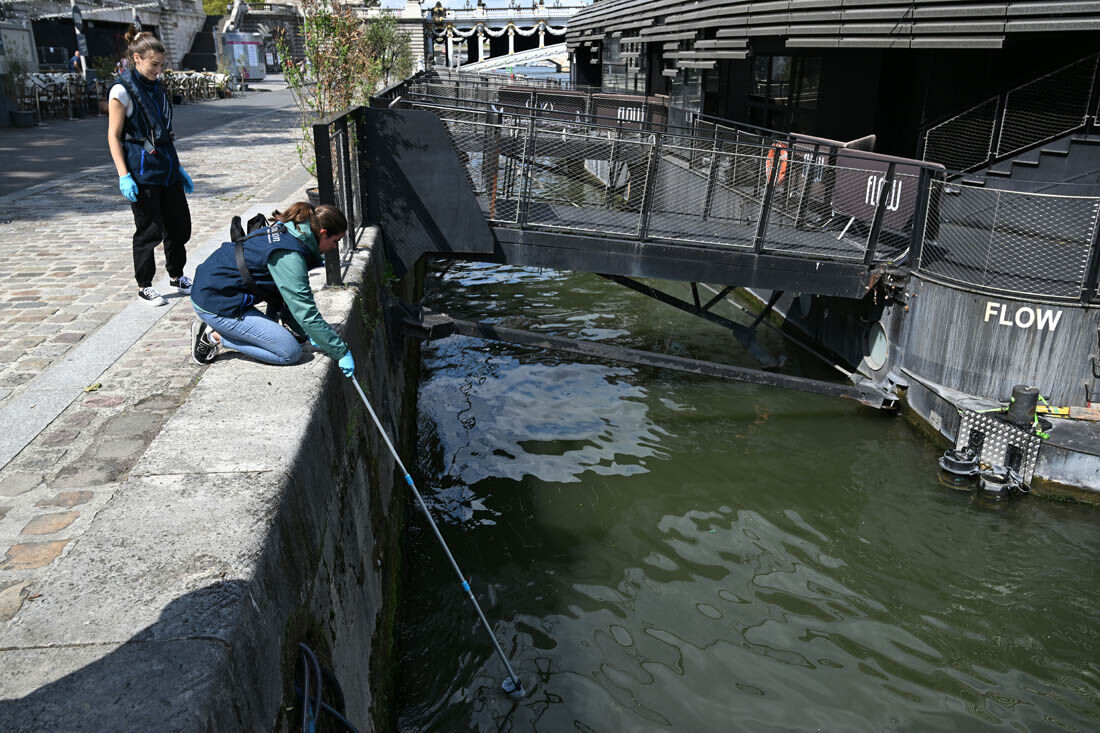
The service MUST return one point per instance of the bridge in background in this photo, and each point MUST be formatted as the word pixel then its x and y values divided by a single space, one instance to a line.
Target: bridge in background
pixel 556 53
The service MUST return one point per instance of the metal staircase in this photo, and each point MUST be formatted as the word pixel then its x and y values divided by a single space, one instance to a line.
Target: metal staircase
pixel 1036 135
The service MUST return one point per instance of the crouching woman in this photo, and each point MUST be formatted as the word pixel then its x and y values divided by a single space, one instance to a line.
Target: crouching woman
pixel 269 265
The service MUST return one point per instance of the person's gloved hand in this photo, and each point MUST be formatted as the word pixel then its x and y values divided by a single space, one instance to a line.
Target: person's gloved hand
pixel 347 365
pixel 188 184
pixel 128 187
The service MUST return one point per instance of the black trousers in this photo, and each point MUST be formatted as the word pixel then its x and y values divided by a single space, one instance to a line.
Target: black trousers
pixel 160 215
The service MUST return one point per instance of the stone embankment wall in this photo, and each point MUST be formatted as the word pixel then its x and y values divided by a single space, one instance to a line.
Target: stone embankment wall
pixel 267 511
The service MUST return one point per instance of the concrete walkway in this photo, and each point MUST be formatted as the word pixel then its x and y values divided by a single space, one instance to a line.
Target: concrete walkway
pixel 88 374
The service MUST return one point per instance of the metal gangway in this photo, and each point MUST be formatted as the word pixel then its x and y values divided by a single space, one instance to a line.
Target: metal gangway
pixel 548 165
pixel 549 174
pixel 542 174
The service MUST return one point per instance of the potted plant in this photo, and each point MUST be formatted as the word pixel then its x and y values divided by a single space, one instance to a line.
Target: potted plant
pixel 15 82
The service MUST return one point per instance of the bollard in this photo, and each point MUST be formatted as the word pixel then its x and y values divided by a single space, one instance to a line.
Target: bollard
pixel 1021 411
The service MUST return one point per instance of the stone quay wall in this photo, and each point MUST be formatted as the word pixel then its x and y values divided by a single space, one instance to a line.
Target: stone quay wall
pixel 267 511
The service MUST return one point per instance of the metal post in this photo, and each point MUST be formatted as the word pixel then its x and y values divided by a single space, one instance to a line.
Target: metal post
pixel 528 173
pixel 611 166
pixel 361 161
pixel 322 151
pixel 880 214
pixel 650 185
pixel 349 202
pixel 712 177
pixel 765 209
pixel 1091 288
pixel 807 169
pixel 920 218
pixel 490 166
pixel 998 127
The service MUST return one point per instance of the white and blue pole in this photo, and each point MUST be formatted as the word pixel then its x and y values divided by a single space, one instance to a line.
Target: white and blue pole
pixel 512 686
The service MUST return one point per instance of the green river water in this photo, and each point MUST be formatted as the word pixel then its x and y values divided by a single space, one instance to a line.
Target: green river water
pixel 662 552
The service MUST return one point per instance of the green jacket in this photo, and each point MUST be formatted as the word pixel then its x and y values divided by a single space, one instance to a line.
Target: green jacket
pixel 288 269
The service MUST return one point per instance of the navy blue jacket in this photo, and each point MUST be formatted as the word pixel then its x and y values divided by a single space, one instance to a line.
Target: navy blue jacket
pixel 218 287
pixel 147 133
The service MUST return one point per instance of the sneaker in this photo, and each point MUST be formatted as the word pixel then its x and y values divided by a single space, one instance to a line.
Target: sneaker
pixel 151 296
pixel 203 348
pixel 181 283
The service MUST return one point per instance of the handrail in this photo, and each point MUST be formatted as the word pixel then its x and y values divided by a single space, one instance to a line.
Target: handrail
pixel 341 177
pixel 1003 118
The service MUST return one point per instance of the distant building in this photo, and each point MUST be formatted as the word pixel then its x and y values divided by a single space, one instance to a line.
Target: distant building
pixel 49 24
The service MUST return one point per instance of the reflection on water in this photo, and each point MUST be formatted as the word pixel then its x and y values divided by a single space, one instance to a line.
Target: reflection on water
pixel 668 553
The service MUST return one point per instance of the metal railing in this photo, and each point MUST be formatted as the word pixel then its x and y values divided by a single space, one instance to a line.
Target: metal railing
pixel 545 159
pixel 548 169
pixel 1012 242
pixel 339 145
pixel 1038 111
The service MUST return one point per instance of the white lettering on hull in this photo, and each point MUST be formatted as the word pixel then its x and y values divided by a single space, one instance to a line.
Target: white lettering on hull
pixel 1025 316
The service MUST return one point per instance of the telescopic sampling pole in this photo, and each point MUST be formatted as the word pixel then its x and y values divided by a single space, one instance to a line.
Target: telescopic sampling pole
pixel 512 686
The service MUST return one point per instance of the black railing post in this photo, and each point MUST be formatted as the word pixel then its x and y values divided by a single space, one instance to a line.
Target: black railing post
pixel 361 162
pixel 920 218
pixel 650 185
pixel 766 206
pixel 611 166
pixel 345 164
pixel 1092 110
pixel 880 214
pixel 528 172
pixel 998 127
pixel 1091 288
pixel 807 173
pixel 326 191
pixel 712 177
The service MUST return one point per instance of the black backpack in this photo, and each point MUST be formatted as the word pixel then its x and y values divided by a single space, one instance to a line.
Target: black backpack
pixel 237 235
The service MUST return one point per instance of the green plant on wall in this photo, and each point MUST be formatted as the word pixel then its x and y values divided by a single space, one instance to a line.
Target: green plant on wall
pixel 345 60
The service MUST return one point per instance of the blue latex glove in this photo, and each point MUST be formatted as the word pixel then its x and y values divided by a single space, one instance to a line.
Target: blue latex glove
pixel 128 187
pixel 347 365
pixel 188 184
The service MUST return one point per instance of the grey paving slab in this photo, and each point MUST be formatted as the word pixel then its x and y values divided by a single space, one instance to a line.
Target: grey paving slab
pixel 154 542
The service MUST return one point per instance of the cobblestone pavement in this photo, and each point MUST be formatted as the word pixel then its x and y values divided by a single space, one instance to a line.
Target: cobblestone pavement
pixel 50 492
pixel 66 263
pixel 65 271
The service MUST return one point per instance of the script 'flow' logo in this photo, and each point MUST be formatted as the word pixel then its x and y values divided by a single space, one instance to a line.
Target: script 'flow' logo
pixel 875 185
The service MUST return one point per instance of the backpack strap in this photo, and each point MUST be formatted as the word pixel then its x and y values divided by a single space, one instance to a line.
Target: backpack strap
pixel 152 121
pixel 256 228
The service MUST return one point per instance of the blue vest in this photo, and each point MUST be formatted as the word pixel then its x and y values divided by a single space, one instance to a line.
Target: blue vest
pixel 218 287
pixel 147 133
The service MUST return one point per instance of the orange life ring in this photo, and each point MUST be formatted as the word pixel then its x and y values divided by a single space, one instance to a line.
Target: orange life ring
pixel 780 149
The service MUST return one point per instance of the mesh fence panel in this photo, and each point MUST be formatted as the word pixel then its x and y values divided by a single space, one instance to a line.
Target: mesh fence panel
pixel 1047 107
pixel 963 141
pixel 1023 243
pixel 492 156
pixel 565 190
pixel 718 203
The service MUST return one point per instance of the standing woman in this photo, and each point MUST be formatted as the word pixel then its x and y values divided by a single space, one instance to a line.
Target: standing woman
pixel 271 264
pixel 139 134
